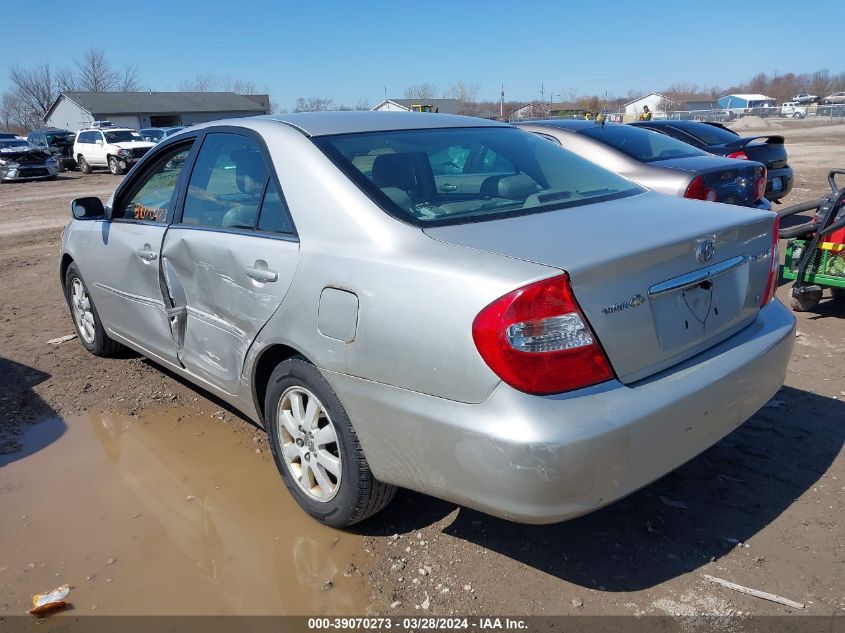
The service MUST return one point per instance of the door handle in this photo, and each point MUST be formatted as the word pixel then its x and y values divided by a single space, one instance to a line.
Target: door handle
pixel 261 273
pixel 448 188
pixel 147 253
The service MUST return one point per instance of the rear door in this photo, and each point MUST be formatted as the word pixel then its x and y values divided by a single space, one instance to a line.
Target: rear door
pixel 124 255
pixel 230 259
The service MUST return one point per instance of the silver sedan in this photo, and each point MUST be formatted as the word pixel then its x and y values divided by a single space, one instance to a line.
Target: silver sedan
pixel 660 162
pixel 436 302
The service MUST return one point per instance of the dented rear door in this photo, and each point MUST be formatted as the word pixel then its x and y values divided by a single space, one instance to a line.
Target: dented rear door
pixel 229 262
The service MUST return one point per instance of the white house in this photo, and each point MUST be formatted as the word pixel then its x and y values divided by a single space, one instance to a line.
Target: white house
pixel 652 100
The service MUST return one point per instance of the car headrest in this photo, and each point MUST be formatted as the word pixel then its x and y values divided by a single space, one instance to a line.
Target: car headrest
pixel 405 171
pixel 250 171
pixel 516 187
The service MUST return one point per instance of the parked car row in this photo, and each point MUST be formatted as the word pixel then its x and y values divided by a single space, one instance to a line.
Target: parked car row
pixel 102 145
pixel 448 304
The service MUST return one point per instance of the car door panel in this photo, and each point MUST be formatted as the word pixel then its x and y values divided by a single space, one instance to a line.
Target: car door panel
pixel 223 286
pixel 229 260
pixel 124 279
pixel 125 255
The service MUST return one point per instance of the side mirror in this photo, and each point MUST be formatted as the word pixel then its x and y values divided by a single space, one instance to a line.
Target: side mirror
pixel 100 142
pixel 90 208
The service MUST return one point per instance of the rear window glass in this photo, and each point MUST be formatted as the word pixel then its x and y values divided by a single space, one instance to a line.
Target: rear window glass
pixel 451 175
pixel 710 134
pixel 644 145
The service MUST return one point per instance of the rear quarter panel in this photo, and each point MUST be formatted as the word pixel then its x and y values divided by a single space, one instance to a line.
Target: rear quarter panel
pixel 417 296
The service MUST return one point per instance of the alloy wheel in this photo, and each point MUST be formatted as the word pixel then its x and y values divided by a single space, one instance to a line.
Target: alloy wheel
pixel 83 314
pixel 309 444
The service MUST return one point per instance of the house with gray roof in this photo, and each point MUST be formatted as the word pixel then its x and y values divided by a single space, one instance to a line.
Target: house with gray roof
pixel 136 110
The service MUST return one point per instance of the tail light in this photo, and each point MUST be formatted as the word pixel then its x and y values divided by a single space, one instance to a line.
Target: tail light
pixel 740 155
pixel 537 339
pixel 760 183
pixel 697 190
pixel 774 269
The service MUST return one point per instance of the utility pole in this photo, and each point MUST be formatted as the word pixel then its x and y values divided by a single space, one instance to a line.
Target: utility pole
pixel 502 102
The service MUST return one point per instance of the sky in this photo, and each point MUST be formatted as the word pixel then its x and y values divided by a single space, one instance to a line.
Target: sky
pixel 356 50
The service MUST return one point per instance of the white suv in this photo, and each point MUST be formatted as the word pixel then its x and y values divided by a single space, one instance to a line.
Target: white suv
pixel 116 148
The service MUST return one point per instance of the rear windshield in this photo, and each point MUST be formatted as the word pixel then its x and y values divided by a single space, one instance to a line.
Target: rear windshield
pixel 60 137
pixel 446 176
pixel 710 134
pixel 643 145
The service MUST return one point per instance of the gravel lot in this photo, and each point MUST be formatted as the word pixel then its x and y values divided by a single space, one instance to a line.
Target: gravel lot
pixel 181 492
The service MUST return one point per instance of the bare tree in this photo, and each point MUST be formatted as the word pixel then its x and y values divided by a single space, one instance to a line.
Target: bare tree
pixel 129 82
pixel 35 90
pixel 313 104
pixel 421 91
pixel 210 82
pixel 94 73
pixel 14 115
pixel 467 94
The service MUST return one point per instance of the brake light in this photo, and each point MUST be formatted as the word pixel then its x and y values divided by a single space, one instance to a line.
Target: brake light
pixel 774 269
pixel 697 190
pixel 537 339
pixel 740 155
pixel 760 183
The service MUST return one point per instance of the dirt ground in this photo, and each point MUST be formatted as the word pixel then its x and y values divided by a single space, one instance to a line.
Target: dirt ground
pixel 149 496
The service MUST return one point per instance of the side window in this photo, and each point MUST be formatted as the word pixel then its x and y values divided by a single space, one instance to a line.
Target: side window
pixel 274 215
pixel 226 184
pixel 151 199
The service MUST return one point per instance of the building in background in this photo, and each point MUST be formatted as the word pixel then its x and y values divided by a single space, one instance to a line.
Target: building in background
pixel 743 101
pixel 442 106
pixel 136 110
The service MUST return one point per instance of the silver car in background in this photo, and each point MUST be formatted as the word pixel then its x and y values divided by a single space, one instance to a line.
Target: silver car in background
pixel 658 162
pixel 436 302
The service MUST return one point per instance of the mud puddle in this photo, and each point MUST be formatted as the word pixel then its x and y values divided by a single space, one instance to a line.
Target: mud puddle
pixel 170 513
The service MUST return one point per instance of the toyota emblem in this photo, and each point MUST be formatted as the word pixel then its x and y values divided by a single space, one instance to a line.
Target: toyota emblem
pixel 705 250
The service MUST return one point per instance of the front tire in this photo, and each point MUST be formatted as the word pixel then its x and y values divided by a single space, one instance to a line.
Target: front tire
pixel 838 294
pixel 86 320
pixel 316 449
pixel 84 167
pixel 114 166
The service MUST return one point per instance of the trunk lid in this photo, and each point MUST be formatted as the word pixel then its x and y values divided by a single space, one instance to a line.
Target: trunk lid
pixel 634 270
pixel 733 179
pixel 768 150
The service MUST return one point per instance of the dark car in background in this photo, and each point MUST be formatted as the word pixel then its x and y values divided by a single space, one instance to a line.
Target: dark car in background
pixel 58 142
pixel 721 141
pixel 21 160
pixel 659 162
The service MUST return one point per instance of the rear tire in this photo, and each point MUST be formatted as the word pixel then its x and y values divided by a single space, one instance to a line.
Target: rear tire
pixel 83 165
pixel 86 320
pixel 838 294
pixel 302 444
pixel 805 301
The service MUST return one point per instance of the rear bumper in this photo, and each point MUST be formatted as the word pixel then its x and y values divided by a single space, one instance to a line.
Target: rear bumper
pixel 545 459
pixel 785 174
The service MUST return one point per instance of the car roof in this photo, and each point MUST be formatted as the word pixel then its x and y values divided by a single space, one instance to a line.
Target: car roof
pixel 576 125
pixel 325 123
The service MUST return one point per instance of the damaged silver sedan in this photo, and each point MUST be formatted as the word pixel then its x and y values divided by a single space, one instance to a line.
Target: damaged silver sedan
pixel 435 302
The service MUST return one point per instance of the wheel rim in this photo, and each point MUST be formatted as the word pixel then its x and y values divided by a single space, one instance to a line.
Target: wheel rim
pixel 83 314
pixel 309 444
pixel 113 165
